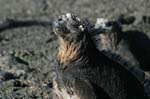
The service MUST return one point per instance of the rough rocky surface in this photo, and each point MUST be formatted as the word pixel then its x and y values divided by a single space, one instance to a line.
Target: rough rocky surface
pixel 27 54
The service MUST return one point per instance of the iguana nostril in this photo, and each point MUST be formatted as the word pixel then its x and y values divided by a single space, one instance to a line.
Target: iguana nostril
pixel 59 19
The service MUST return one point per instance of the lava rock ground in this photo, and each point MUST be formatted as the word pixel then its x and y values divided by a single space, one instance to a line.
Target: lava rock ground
pixel 27 54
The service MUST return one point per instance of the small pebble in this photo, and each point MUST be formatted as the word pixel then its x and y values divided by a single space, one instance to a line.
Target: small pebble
pixel 20 73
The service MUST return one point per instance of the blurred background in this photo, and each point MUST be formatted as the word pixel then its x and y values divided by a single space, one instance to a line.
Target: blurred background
pixel 27 54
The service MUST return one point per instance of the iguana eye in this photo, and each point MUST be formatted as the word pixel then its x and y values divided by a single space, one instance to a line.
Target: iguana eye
pixel 73 17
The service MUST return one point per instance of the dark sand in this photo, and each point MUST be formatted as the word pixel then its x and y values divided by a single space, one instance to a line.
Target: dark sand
pixel 27 54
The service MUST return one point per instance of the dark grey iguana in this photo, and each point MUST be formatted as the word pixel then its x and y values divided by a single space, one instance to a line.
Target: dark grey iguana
pixel 83 71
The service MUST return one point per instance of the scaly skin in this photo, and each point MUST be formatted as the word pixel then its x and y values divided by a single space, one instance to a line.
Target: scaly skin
pixel 84 72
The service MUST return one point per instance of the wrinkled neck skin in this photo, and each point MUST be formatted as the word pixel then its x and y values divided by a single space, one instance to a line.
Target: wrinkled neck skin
pixel 75 51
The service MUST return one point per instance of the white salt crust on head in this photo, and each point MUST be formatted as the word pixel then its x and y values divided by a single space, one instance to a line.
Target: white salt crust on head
pixel 68 15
